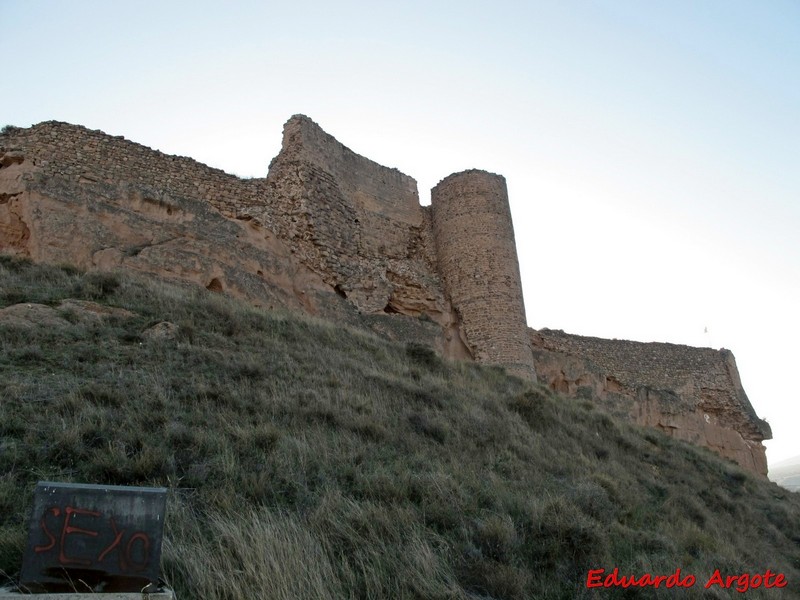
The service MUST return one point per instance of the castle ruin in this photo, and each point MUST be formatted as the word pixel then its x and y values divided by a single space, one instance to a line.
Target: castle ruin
pixel 334 234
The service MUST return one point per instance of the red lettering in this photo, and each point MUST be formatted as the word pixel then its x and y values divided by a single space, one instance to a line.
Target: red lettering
pixel 114 544
pixel 743 583
pixel 612 580
pixel 138 566
pixel 780 580
pixel 56 512
pixel 133 555
pixel 593 579
pixel 625 581
pixel 716 579
pixel 768 575
pixel 675 580
pixel 672 580
pixel 69 529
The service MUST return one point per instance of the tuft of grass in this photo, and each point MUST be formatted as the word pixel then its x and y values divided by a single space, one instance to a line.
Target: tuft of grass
pixel 429 427
pixel 97 285
pixel 307 460
pixel 236 555
pixel 423 356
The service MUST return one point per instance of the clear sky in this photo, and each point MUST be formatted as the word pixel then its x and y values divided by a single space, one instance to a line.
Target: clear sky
pixel 651 149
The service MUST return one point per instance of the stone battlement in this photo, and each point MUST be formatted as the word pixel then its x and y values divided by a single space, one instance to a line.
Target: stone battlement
pixel 332 233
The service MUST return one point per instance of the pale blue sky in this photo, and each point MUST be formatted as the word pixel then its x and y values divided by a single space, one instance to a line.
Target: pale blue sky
pixel 651 148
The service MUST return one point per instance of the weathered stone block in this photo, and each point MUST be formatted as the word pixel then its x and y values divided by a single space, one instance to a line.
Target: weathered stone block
pixel 94 538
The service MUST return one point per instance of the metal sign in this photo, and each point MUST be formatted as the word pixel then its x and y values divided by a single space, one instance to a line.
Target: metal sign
pixel 93 538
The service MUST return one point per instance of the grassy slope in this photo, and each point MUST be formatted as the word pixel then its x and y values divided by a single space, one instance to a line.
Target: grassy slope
pixel 311 461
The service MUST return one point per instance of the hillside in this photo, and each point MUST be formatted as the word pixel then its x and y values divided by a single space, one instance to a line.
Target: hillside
pixel 307 460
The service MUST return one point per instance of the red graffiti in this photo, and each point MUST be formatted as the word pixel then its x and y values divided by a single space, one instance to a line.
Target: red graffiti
pixel 133 554
pixel 145 550
pixel 114 543
pixel 69 529
pixel 38 549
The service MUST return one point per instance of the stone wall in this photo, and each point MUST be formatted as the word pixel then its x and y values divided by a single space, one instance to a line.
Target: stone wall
pixel 332 233
pixel 325 221
pixel 71 195
pixel 356 223
pixel 477 258
pixel 81 155
pixel 694 394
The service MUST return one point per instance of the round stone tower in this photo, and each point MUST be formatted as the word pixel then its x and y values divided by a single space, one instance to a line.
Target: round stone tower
pixel 477 259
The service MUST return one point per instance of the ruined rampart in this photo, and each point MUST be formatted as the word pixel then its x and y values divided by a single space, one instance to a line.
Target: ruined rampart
pixel 690 393
pixel 357 223
pixel 330 232
pixel 70 194
pixel 80 155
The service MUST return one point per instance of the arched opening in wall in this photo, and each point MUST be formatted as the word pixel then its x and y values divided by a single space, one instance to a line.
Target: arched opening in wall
pixel 215 285
pixel 338 289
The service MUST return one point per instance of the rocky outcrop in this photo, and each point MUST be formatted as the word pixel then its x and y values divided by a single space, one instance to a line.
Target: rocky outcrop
pixel 30 315
pixel 14 232
pixel 693 394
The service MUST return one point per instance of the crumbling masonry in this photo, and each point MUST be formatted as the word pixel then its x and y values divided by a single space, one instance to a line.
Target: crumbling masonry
pixel 332 233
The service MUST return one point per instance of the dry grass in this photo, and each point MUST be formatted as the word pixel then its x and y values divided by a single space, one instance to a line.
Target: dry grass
pixel 249 547
pixel 307 460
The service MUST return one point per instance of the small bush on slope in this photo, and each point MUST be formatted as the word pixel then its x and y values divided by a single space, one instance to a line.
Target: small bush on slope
pixel 311 461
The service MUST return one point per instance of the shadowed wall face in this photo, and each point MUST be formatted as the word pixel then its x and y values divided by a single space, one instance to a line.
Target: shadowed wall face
pixel 477 258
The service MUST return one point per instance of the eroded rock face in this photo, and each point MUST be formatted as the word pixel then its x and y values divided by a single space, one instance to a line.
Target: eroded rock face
pixel 693 394
pixel 14 232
